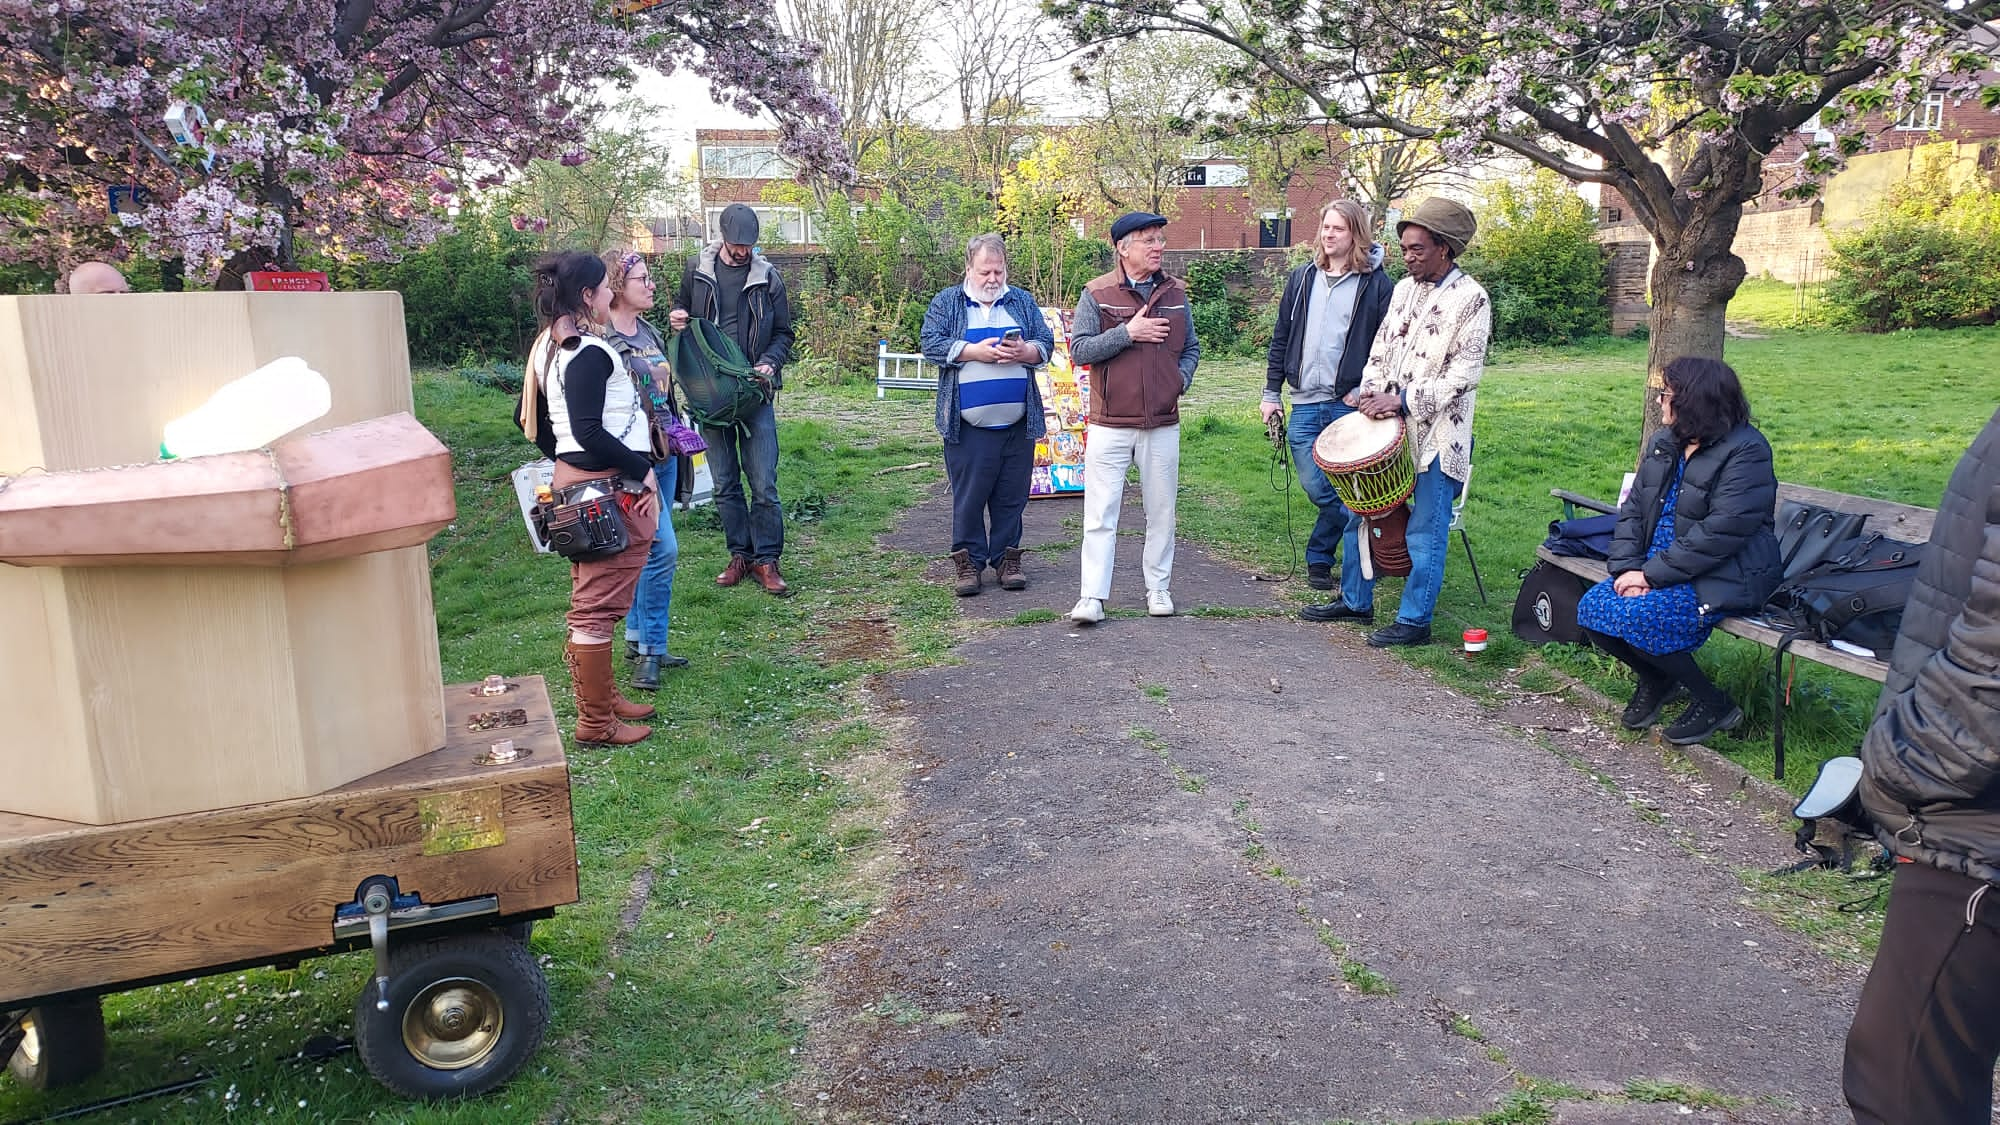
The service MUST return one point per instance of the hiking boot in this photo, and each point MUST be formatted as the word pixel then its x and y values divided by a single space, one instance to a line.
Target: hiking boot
pixel 1399 634
pixel 968 574
pixel 1159 603
pixel 768 577
pixel 1337 610
pixel 1648 700
pixel 1087 611
pixel 1319 576
pixel 1009 570
pixel 1704 720
pixel 734 572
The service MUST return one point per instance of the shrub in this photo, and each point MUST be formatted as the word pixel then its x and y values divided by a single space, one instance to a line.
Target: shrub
pixel 467 294
pixel 1538 257
pixel 1930 258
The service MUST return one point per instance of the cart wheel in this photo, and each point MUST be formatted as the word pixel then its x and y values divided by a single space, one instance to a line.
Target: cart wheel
pixel 61 1044
pixel 465 1014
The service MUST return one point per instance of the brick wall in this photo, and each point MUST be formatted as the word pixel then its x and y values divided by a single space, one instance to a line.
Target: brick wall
pixel 1627 264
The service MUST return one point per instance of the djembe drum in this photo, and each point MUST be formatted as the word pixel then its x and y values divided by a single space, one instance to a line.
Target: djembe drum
pixel 1368 461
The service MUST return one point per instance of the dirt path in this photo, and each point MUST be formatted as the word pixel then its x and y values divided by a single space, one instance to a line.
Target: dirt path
pixel 1240 867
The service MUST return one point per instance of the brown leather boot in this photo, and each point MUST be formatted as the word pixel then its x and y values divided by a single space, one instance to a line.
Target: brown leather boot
pixel 734 572
pixel 596 714
pixel 968 574
pixel 628 708
pixel 768 577
pixel 1011 577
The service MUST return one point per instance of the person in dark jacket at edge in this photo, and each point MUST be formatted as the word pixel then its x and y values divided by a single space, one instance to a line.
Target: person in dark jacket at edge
pixel 1694 544
pixel 1927 1033
pixel 1327 319
pixel 738 289
pixel 987 338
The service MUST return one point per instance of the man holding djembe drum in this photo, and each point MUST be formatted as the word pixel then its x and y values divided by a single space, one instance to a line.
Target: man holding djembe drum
pixel 1423 370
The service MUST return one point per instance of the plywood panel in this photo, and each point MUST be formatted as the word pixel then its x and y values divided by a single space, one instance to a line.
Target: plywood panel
pixel 175 689
pixel 364 631
pixel 89 907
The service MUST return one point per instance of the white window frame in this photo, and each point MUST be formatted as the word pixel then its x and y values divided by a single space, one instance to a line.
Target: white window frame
pixel 785 221
pixel 1927 117
pixel 759 160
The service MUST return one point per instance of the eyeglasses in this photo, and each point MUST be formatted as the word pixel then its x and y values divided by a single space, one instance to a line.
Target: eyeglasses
pixel 1664 393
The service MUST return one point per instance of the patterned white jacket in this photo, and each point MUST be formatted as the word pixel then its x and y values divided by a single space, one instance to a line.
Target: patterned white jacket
pixel 1431 349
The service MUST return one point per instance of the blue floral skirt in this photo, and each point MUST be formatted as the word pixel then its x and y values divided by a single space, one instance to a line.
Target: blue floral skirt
pixel 1662 621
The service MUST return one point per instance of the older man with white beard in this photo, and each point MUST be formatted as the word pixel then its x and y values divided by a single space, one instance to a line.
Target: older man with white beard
pixel 987 338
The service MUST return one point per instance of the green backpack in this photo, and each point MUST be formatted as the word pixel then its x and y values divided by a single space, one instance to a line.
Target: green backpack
pixel 718 385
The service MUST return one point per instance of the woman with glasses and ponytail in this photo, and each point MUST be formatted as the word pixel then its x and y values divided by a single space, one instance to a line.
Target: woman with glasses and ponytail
pixel 602 433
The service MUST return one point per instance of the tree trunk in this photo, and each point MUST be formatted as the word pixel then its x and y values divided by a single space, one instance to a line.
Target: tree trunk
pixel 1692 282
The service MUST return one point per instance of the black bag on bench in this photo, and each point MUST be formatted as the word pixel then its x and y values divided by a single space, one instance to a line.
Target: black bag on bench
pixel 1545 609
pixel 1855 596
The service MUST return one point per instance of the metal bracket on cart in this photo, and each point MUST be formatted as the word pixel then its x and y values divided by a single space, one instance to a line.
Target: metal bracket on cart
pixel 380 908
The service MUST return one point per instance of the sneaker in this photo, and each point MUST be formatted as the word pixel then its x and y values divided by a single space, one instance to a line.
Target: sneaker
pixel 1337 610
pixel 1648 700
pixel 1702 721
pixel 1159 603
pixel 1087 611
pixel 1401 633
pixel 1319 576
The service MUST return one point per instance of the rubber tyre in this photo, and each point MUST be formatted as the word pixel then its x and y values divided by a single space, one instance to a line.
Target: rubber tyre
pixel 488 963
pixel 65 1046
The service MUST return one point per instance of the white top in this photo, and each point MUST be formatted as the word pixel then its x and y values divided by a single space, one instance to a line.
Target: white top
pixel 624 414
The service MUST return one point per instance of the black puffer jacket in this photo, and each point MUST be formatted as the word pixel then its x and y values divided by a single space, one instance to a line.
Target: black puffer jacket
pixel 1723 538
pixel 1931 761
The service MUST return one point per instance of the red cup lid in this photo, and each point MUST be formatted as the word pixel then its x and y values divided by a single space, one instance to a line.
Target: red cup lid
pixel 1475 634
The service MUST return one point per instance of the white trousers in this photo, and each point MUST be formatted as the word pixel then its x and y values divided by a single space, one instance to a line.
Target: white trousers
pixel 1108 451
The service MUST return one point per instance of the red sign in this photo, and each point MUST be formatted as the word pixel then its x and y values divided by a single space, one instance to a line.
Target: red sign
pixel 272 281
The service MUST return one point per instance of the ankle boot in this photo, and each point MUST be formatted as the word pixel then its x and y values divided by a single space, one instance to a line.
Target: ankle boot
pixel 597 720
pixel 968 575
pixel 1009 570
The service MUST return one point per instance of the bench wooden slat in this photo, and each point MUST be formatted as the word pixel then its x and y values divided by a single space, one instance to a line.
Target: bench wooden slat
pixel 1897 521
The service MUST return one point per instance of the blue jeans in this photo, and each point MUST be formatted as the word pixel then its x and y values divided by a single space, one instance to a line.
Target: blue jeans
pixel 653 599
pixel 1429 539
pixel 1309 420
pixel 756 531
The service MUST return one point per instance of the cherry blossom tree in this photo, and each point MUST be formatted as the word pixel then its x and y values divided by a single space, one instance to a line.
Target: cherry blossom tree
pixel 1673 103
pixel 347 128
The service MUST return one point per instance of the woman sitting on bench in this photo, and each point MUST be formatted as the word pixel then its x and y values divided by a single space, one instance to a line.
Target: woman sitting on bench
pixel 1694 544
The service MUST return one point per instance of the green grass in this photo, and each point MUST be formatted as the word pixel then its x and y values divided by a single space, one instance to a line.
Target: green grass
pixel 1883 416
pixel 1765 304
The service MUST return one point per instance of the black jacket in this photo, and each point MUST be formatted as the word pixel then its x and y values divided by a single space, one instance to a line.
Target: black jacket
pixel 1723 538
pixel 1931 761
pixel 1285 359
pixel 768 311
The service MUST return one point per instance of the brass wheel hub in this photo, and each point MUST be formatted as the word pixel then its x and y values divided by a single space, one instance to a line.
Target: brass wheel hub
pixel 30 1049
pixel 453 1023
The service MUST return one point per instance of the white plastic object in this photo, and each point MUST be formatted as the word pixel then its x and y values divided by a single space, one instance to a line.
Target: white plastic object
pixel 251 412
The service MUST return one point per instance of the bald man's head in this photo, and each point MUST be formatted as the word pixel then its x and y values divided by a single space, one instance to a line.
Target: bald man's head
pixel 97 277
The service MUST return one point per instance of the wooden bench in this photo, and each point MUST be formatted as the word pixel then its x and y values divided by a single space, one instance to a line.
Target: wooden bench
pixel 906 371
pixel 1897 521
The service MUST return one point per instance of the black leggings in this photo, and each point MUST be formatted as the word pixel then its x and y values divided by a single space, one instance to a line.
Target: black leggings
pixel 1676 667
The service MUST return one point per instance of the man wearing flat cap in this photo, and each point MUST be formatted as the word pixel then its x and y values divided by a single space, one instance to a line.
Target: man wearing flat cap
pixel 1425 366
pixel 1135 330
pixel 738 289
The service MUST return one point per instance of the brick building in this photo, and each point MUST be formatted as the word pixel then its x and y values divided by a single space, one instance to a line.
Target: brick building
pixel 1213 207
pixel 1790 239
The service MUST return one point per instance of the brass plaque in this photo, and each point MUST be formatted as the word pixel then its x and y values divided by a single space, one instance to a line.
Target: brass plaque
pixel 462 821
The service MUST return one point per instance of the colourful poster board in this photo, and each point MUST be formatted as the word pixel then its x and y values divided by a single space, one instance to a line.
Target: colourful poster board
pixel 1065 389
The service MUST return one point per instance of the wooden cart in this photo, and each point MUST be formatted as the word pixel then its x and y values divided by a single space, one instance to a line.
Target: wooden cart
pixel 440 865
